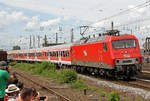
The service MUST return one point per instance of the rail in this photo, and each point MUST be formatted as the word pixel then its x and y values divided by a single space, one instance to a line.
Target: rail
pixel 48 89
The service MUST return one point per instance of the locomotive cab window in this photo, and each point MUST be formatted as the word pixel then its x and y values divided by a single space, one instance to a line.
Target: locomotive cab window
pixel 120 44
pixel 105 46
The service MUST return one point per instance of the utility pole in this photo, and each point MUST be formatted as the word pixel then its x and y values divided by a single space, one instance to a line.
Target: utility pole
pixel 45 44
pixel 34 41
pixel 30 43
pixel 56 37
pixel 72 37
pixel 112 25
pixel 38 41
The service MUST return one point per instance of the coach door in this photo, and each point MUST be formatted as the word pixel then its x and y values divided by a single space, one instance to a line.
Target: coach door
pixel 48 54
pixel 59 56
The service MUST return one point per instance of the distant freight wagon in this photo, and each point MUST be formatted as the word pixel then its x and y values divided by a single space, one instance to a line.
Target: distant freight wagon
pixel 3 55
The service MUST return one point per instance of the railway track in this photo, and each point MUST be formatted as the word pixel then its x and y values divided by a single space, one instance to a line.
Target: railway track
pixel 63 98
pixel 141 83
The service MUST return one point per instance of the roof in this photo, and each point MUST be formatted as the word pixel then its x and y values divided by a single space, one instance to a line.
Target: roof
pixel 43 48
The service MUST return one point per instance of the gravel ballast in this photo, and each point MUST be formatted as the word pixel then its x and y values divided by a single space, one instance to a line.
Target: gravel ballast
pixel 137 91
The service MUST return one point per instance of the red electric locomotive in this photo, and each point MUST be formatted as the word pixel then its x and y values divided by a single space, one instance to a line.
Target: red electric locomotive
pixel 111 54
pixel 108 55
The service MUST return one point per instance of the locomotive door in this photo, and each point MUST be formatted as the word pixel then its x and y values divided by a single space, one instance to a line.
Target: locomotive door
pixel 100 56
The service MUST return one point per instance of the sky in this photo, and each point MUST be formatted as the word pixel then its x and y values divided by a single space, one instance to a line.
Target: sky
pixel 21 18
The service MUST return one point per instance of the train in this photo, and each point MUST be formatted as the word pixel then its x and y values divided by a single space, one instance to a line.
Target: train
pixel 3 55
pixel 105 55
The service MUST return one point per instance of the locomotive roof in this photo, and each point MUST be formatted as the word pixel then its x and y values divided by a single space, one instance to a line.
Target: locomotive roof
pixel 89 40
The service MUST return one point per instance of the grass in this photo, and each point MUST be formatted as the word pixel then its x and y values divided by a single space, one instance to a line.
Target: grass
pixel 65 76
pixel 114 96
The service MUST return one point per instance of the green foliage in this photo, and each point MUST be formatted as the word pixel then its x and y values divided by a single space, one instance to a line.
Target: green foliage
pixel 49 70
pixel 13 63
pixel 138 98
pixel 16 47
pixel 48 66
pixel 114 96
pixel 102 94
pixel 79 85
pixel 67 76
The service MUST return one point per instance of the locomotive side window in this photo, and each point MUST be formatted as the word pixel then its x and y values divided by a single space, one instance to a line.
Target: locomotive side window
pixel 105 46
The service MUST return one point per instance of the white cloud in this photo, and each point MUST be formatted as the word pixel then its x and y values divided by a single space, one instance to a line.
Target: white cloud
pixel 32 24
pixel 50 22
pixel 98 24
pixel 135 11
pixel 7 19
pixel 91 10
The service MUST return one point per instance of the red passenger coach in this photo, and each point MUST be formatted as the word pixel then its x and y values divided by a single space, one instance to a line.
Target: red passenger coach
pixel 56 54
pixel 115 55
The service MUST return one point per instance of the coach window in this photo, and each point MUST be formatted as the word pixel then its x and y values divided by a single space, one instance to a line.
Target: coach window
pixel 65 53
pixel 59 53
pixel 46 54
pixel 105 46
pixel 68 53
pixel 54 54
pixel 49 53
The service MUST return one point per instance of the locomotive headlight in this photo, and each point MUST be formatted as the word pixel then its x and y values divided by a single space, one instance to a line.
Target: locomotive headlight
pixel 117 61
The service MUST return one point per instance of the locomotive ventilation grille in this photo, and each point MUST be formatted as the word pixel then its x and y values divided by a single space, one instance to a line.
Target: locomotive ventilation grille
pixel 126 61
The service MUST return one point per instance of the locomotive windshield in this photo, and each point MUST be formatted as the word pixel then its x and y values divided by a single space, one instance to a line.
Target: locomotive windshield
pixel 128 43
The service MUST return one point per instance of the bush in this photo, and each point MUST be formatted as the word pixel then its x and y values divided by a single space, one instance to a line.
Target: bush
pixel 102 94
pixel 114 96
pixel 67 76
pixel 48 66
pixel 79 85
pixel 13 63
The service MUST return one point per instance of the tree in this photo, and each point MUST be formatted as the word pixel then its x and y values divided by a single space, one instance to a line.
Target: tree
pixel 16 47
